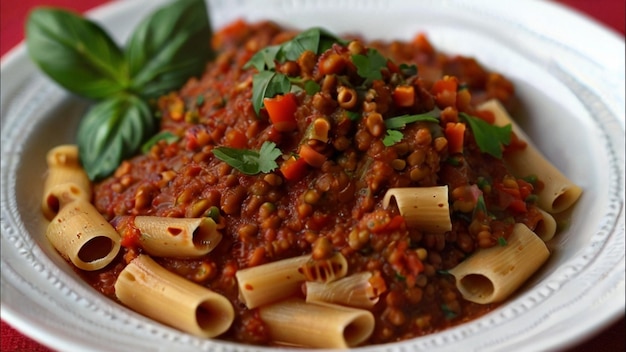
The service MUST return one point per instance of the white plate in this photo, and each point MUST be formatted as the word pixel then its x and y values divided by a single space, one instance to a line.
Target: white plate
pixel 569 76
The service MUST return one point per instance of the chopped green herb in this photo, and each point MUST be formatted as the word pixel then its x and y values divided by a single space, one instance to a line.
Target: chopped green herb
pixel 369 66
pixel 399 122
pixel 532 179
pixel 502 241
pixel 482 182
pixel 489 138
pixel 200 100
pixel 353 116
pixel 250 162
pixel 532 198
pixel 392 138
pixel 167 136
pixel 480 205
pixel 408 70
pixel 267 84
pixel 453 161
pixel 447 312
pixel 264 59
pixel 311 87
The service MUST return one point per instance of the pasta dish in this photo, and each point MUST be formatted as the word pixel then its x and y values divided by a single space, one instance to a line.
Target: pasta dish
pixel 316 191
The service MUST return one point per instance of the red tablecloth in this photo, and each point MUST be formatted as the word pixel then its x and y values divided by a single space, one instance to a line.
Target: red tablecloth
pixel 609 12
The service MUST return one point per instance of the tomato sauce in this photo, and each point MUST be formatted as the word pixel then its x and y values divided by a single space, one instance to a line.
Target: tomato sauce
pixel 333 189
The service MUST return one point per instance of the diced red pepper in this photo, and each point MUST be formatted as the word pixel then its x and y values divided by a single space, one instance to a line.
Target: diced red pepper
pixel 281 110
pixel 455 133
pixel 294 169
pixel 311 156
pixel 404 96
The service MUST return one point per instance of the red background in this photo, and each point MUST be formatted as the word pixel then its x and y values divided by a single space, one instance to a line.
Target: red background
pixel 12 13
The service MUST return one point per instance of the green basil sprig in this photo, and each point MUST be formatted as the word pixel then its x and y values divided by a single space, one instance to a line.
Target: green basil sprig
pixel 75 52
pixel 113 130
pixel 166 48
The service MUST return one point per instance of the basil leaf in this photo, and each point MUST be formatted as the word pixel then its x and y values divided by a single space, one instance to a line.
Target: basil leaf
pixel 250 162
pixel 401 121
pixel 267 84
pixel 76 53
pixel 112 131
pixel 169 46
pixel 489 138
pixel 167 136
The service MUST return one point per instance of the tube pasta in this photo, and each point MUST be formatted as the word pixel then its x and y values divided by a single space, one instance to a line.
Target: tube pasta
pixel 271 282
pixel 153 291
pixel 177 237
pixel 559 192
pixel 354 291
pixel 325 270
pixel 66 180
pixel 317 325
pixel 82 235
pixel 492 274
pixel 546 227
pixel 424 208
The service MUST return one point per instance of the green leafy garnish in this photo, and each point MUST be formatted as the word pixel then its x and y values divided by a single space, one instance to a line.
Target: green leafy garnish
pixel 268 84
pixel 166 136
pixel 369 66
pixel 489 138
pixel 112 131
pixel 250 162
pixel 399 122
pixel 408 70
pixel 502 241
pixel 168 47
pixel 392 138
pixel 447 312
pixel 165 50
pixel 316 40
pixel 76 53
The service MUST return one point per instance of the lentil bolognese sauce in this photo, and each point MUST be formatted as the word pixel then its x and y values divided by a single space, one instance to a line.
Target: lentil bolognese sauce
pixel 336 156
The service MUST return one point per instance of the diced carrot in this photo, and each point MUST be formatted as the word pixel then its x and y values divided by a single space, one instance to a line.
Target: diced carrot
pixel 293 169
pixel 444 91
pixel 281 110
pixel 455 132
pixel 236 139
pixel 404 96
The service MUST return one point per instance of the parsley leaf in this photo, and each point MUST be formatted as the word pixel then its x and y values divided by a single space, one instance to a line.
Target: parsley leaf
pixel 489 138
pixel 368 66
pixel 401 121
pixel 392 138
pixel 250 162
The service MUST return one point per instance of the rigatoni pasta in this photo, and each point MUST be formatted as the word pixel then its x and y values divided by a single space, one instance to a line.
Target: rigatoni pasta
pixel 354 291
pixel 151 290
pixel 82 235
pixel 177 237
pixel 559 191
pixel 296 322
pixel 424 208
pixel 65 181
pixel 493 274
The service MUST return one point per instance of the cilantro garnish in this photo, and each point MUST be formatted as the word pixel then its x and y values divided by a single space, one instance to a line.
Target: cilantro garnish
pixel 401 121
pixel 392 138
pixel 502 241
pixel 369 66
pixel 250 162
pixel 489 138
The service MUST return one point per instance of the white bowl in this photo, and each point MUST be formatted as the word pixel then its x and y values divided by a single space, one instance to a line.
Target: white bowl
pixel 570 78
